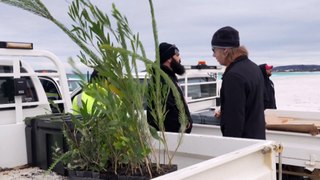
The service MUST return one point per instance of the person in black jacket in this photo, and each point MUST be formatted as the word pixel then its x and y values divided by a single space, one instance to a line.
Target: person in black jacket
pixel 269 94
pixel 242 109
pixel 170 63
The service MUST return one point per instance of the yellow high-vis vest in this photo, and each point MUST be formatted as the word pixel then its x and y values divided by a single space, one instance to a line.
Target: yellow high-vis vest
pixel 77 102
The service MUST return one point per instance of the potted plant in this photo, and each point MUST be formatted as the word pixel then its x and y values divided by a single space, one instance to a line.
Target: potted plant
pixel 114 137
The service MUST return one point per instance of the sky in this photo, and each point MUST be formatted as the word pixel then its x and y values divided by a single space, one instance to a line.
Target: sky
pixel 277 32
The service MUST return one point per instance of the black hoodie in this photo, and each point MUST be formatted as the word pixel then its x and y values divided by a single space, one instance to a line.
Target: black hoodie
pixel 269 94
pixel 171 122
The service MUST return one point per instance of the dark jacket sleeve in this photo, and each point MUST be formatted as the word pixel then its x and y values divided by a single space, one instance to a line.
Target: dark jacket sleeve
pixel 172 123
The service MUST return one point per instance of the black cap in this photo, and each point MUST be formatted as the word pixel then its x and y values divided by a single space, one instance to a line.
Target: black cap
pixel 166 51
pixel 225 37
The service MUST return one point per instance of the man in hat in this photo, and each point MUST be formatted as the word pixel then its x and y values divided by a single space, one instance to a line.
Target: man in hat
pixel 269 93
pixel 242 109
pixel 170 63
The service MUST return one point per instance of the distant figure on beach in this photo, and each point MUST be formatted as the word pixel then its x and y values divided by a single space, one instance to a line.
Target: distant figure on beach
pixel 242 109
pixel 269 93
pixel 170 63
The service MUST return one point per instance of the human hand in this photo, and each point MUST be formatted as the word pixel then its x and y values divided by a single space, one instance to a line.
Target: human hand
pixel 217 114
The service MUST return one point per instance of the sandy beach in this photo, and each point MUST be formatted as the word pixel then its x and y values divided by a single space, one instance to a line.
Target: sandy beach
pixel 297 92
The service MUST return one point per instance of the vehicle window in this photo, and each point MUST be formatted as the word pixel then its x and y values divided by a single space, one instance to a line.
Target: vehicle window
pixel 73 84
pixel 198 80
pixel 199 87
pixel 50 89
pixel 52 93
pixel 31 95
pixel 198 90
pixel 7 87
pixel 6 69
pixel 7 91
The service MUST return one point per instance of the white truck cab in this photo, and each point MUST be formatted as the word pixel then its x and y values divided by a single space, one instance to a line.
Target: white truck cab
pixel 22 95
pixel 200 85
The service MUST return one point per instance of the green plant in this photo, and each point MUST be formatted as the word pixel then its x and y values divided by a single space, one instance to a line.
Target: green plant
pixel 115 134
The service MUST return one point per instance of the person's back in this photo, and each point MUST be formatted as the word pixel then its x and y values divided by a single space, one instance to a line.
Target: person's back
pixel 269 93
pixel 244 78
pixel 242 111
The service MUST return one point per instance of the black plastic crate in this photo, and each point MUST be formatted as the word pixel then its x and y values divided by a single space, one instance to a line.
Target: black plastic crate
pixel 43 135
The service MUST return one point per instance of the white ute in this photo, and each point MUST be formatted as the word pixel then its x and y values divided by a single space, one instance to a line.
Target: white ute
pixel 199 156
pixel 21 96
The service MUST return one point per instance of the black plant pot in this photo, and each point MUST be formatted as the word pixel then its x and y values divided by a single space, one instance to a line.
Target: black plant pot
pixel 89 175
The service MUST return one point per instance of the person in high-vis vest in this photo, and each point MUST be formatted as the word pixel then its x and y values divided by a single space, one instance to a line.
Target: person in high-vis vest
pixel 88 100
pixel 77 103
pixel 84 99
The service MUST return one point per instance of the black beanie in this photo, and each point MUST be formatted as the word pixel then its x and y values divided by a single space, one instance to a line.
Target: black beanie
pixel 94 75
pixel 225 37
pixel 166 51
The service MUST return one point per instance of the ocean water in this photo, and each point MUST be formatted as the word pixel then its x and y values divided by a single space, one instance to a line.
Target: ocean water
pixel 286 74
pixel 77 77
pixel 274 74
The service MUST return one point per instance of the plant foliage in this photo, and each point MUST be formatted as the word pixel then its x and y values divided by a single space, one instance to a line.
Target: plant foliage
pixel 115 134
